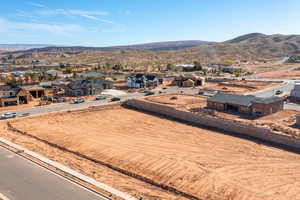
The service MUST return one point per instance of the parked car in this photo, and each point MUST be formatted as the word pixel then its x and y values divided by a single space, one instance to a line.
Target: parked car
pixel 100 97
pixel 79 100
pixel 148 93
pixel 8 115
pixel 278 92
pixel 115 99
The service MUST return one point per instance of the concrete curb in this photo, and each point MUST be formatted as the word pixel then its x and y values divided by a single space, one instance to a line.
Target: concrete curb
pixel 68 171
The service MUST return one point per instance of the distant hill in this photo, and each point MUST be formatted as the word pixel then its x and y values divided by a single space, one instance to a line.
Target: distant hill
pixel 155 46
pixel 245 37
pixel 20 47
pixel 170 45
pixel 253 46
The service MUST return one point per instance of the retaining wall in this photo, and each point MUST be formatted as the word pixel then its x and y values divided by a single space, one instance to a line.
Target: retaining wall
pixel 214 122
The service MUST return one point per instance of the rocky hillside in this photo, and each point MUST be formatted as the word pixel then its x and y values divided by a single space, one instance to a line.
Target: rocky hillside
pixel 253 46
pixel 155 46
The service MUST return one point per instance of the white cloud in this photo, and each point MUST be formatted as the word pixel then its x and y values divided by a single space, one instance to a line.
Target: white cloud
pixel 37 5
pixel 97 19
pixel 60 11
pixel 89 14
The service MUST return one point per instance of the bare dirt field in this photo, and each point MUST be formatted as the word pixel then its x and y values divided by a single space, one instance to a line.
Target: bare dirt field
pixel 186 101
pixel 269 67
pixel 238 86
pixel 283 74
pixel 199 162
pixel 241 87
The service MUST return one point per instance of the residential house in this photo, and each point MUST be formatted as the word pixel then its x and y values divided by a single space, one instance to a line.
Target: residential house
pixel 84 87
pixel 54 73
pixel 185 67
pixel 93 75
pixel 298 120
pixel 17 74
pixel 142 81
pixel 230 69
pixel 10 95
pixel 188 80
pixel 246 104
pixel 295 92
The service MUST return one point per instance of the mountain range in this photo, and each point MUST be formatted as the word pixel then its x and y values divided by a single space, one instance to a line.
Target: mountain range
pixel 251 46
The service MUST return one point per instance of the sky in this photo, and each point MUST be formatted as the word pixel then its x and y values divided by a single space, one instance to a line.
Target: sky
pixel 123 22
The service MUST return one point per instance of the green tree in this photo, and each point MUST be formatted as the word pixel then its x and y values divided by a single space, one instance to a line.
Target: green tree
pixel 170 67
pixel 11 81
pixel 228 61
pixel 197 65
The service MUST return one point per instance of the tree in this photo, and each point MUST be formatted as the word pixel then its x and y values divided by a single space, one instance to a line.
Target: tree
pixel 197 65
pixel 19 81
pixel 33 76
pixel 170 67
pixel 11 81
pixel 117 67
pixel 228 61
pixel 238 72
pixel 26 77
pixel 74 75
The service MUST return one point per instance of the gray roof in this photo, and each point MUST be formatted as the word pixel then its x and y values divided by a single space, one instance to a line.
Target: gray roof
pixel 244 100
pixel 268 99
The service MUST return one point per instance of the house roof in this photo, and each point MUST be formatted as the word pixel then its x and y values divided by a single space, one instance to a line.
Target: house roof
pixel 244 100
pixel 92 74
pixel 53 71
pixel 31 87
pixel 268 99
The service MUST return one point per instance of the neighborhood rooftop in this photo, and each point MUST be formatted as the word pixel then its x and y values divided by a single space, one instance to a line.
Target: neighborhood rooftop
pixel 244 100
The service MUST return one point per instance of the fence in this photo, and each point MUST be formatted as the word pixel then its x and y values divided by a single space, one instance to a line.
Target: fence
pixel 214 122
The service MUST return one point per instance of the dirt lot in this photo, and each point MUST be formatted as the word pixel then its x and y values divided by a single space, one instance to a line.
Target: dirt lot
pixel 186 101
pixel 283 74
pixel 269 67
pixel 237 86
pixel 199 162
pixel 241 87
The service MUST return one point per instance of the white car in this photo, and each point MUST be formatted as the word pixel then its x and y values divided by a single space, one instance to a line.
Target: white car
pixel 8 115
pixel 100 98
pixel 79 100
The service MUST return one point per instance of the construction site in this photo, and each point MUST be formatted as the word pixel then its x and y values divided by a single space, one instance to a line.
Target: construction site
pixel 158 158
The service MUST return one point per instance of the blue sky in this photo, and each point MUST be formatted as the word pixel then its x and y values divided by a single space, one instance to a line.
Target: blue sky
pixel 121 22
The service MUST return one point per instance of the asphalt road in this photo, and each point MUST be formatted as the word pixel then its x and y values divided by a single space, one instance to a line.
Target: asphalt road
pixel 286 89
pixel 70 106
pixel 21 179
